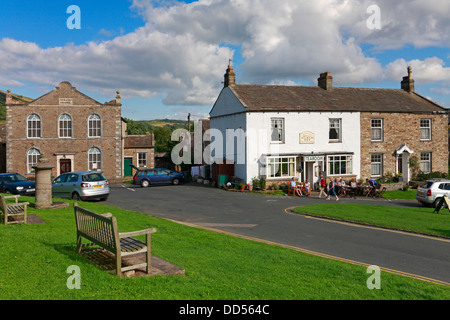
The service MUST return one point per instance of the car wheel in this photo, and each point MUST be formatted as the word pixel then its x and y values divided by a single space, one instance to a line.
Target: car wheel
pixel 175 181
pixel 76 196
pixel 145 183
pixel 7 191
pixel 436 202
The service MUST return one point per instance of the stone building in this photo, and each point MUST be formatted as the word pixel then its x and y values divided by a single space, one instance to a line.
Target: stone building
pixel 296 131
pixel 74 131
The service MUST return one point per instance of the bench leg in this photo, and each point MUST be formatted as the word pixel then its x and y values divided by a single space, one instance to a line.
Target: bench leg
pixel 78 243
pixel 118 263
pixel 149 254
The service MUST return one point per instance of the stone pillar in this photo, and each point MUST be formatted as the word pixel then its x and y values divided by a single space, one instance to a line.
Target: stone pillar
pixel 43 174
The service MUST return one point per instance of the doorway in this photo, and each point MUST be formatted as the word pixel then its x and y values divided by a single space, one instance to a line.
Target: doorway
pixel 65 165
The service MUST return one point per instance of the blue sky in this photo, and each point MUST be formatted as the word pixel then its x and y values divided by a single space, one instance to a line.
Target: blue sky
pixel 168 58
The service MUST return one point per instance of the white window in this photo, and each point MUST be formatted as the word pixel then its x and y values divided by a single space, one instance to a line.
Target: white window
pixel 376 165
pixel 94 159
pixel 335 130
pixel 32 159
pixel 142 159
pixel 281 167
pixel 425 162
pixel 94 126
pixel 339 165
pixel 377 129
pixel 65 126
pixel 33 126
pixel 277 129
pixel 425 129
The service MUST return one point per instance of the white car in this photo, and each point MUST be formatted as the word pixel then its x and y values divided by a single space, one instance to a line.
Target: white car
pixel 432 191
pixel 81 186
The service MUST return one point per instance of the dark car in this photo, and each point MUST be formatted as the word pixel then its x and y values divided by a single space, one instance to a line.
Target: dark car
pixel 15 183
pixel 156 176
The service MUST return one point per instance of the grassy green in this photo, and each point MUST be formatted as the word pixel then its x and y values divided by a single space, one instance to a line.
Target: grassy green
pixel 400 194
pixel 34 259
pixel 415 219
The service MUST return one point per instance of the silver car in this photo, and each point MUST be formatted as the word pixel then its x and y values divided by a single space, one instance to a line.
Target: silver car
pixel 81 186
pixel 431 192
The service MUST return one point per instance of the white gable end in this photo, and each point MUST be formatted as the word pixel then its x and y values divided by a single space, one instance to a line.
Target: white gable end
pixel 227 103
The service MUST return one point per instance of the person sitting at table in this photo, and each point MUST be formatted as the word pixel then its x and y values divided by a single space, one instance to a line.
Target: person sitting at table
pixel 373 186
pixel 342 186
pixel 353 183
pixel 297 189
pixel 307 188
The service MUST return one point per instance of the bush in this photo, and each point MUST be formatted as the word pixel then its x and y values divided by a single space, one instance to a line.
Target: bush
pixel 432 175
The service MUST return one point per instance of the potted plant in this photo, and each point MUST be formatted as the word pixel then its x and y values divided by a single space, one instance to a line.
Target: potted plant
pixel 250 187
pixel 242 186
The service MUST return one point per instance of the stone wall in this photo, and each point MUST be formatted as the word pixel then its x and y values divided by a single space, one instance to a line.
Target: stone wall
pixel 399 129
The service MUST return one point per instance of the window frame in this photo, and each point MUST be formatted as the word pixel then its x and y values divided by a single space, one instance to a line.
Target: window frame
pixel 68 128
pixel 97 129
pixel 91 161
pixel 332 159
pixel 428 128
pixel 339 132
pixel 32 163
pixel 278 160
pixel 426 161
pixel 283 130
pixel 380 128
pixel 36 127
pixel 139 160
pixel 380 163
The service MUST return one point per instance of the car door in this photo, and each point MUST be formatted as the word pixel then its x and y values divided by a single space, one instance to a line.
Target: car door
pixel 58 185
pixel 164 176
pixel 152 176
pixel 70 185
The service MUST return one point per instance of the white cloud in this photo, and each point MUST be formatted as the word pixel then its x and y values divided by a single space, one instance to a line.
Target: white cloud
pixel 182 51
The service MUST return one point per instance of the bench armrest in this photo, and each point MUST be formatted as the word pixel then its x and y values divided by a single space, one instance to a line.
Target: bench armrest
pixel 18 203
pixel 136 233
pixel 13 196
pixel 107 215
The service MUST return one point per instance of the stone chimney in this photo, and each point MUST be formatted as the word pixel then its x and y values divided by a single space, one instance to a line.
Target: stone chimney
pixel 8 97
pixel 118 97
pixel 325 81
pixel 230 77
pixel 408 82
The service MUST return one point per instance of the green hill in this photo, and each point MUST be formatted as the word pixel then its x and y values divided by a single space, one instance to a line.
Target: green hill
pixel 15 97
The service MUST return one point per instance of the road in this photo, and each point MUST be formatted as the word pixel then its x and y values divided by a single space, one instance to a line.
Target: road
pixel 265 217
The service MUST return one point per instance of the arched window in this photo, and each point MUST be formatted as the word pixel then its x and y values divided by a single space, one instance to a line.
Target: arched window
pixel 65 126
pixel 33 126
pixel 94 126
pixel 32 159
pixel 94 159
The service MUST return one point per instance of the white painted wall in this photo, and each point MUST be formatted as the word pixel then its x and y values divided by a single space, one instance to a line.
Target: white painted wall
pixel 229 113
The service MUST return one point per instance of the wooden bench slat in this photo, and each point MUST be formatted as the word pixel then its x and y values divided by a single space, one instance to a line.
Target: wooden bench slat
pixel 13 209
pixel 102 230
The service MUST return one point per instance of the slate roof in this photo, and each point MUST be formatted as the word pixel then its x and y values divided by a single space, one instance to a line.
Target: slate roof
pixel 139 141
pixel 300 98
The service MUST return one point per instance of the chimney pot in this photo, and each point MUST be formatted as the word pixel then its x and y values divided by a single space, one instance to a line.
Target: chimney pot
pixel 407 83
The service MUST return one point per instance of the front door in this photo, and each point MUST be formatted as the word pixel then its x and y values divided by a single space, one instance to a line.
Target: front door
pixel 65 165
pixel 127 169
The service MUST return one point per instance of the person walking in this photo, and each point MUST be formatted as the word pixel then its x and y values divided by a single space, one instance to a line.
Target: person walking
pixel 331 190
pixel 322 186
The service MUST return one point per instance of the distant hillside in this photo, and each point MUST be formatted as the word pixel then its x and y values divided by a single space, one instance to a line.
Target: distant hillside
pixel 137 127
pixel 3 100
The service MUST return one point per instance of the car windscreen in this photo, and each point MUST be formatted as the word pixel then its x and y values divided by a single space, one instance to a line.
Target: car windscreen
pixel 9 178
pixel 92 177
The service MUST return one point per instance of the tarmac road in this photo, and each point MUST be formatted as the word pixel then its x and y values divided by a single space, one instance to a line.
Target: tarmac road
pixel 265 217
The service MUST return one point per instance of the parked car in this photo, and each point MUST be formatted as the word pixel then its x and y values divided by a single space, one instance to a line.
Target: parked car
pixel 431 192
pixel 156 176
pixel 81 186
pixel 15 183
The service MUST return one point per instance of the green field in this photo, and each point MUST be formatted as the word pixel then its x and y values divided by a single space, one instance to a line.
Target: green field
pixel 34 259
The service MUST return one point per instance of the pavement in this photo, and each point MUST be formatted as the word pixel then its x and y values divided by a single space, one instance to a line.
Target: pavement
pixel 268 219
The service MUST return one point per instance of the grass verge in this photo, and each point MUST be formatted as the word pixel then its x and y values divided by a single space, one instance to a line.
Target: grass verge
pixel 34 259
pixel 412 219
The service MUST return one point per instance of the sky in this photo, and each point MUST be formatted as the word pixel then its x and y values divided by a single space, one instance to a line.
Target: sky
pixel 168 58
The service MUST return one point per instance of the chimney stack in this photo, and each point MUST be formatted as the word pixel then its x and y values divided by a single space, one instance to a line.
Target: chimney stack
pixel 325 81
pixel 408 82
pixel 8 97
pixel 118 97
pixel 230 77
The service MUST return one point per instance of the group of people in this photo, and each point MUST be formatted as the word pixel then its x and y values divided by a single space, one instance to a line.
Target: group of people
pixel 306 187
pixel 335 188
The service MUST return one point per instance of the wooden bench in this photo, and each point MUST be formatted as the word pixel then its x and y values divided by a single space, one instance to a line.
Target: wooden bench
pixel 291 190
pixel 15 209
pixel 101 230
